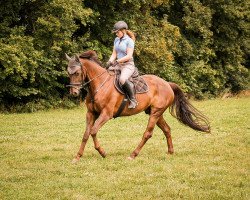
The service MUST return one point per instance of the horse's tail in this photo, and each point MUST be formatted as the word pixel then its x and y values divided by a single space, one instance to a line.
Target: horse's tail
pixel 187 114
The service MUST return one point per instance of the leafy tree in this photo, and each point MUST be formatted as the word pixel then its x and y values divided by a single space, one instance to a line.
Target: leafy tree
pixel 203 45
pixel 231 42
pixel 212 49
pixel 34 37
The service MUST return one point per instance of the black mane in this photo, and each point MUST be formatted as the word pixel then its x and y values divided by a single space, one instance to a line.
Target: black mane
pixel 91 55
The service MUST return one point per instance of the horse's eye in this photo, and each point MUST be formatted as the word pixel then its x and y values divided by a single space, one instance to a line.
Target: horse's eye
pixel 77 74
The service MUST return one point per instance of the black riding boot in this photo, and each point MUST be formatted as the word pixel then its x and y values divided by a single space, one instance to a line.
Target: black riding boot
pixel 129 89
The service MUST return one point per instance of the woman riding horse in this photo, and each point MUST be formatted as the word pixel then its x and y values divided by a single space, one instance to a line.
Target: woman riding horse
pixel 122 57
pixel 103 102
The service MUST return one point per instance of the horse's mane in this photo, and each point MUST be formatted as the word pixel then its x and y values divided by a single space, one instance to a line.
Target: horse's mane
pixel 91 55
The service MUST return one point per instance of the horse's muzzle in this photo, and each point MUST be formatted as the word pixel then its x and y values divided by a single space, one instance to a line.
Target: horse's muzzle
pixel 74 91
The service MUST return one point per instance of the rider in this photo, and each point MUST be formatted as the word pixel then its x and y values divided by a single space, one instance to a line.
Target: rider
pixel 122 57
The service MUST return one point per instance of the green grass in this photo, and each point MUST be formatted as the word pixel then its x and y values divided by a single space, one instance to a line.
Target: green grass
pixel 36 151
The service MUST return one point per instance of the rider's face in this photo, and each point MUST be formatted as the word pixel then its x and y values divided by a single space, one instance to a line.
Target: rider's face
pixel 119 34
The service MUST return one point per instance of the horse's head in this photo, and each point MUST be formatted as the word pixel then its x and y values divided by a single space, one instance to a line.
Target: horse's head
pixel 76 75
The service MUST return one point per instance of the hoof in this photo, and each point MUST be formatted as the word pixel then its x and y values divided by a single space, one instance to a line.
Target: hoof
pixel 171 152
pixel 75 160
pixel 104 154
pixel 130 158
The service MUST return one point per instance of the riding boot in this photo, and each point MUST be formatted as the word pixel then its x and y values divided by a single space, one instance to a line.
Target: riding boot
pixel 130 92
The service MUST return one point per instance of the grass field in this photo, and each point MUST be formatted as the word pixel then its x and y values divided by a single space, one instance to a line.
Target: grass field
pixel 36 150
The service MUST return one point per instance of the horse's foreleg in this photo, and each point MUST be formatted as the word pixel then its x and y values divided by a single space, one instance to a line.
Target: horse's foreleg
pixel 162 124
pixel 101 120
pixel 90 118
pixel 147 134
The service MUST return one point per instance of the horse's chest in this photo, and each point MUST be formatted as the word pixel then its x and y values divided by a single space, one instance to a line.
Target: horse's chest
pixel 97 106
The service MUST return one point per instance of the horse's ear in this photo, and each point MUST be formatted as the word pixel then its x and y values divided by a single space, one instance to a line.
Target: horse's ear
pixel 67 57
pixel 77 59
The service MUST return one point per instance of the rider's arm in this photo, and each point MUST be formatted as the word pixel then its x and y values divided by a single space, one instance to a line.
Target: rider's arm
pixel 128 57
pixel 113 56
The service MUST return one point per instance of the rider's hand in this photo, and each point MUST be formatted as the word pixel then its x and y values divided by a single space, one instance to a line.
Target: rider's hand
pixel 115 63
pixel 111 68
pixel 109 64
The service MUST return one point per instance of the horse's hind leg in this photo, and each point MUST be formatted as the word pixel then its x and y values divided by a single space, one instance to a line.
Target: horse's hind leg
pixel 147 134
pixel 162 124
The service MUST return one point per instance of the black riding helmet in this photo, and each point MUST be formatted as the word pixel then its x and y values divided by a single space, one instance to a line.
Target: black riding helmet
pixel 120 25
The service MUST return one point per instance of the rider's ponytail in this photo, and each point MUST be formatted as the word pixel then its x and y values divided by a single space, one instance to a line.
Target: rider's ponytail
pixel 130 34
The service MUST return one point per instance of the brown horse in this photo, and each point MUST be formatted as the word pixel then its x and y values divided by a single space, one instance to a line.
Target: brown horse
pixel 103 102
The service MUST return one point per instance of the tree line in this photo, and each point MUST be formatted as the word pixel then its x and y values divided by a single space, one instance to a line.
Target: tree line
pixel 202 45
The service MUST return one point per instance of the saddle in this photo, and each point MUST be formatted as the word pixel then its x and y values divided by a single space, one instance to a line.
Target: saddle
pixel 140 84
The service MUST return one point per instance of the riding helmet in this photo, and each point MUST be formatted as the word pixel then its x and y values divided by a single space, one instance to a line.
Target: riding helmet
pixel 120 25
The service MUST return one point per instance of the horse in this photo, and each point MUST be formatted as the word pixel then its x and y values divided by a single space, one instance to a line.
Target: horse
pixel 103 101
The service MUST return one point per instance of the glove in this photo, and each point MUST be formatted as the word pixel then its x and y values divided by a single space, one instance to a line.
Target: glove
pixel 109 64
pixel 115 63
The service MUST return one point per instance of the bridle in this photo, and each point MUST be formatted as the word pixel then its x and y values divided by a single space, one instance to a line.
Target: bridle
pixel 83 84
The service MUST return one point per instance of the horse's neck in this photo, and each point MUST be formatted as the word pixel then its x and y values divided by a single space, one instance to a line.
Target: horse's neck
pixel 95 73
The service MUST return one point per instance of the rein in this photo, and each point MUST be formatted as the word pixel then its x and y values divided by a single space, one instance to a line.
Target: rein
pixel 101 85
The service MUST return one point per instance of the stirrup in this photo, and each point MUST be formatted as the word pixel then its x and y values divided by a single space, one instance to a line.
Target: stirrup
pixel 132 104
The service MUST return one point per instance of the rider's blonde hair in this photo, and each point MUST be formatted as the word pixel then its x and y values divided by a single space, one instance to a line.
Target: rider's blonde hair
pixel 129 33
